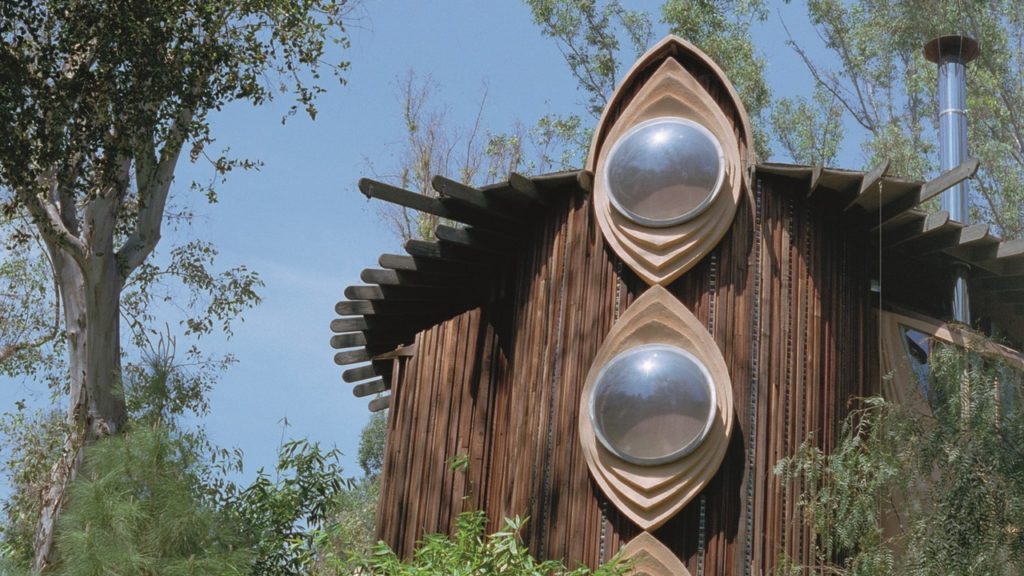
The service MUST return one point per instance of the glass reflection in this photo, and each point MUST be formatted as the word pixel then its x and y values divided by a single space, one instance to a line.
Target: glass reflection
pixel 652 404
pixel 917 345
pixel 664 171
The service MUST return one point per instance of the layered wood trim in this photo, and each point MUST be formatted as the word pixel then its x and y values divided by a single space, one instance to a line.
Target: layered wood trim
pixel 660 254
pixel 675 48
pixel 437 279
pixel 651 495
pixel 646 556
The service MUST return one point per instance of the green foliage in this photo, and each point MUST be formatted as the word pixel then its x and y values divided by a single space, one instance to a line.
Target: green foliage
pixel 134 510
pixel 30 443
pixel 925 494
pixel 371 444
pixel 469 551
pixel 286 516
pixel 348 536
pixel 31 342
pixel 811 132
pixel 883 82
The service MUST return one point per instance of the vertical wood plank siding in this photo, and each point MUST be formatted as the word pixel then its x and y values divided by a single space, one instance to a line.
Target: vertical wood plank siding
pixel 499 386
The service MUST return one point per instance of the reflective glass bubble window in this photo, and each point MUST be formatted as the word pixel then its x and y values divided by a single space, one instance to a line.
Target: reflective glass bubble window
pixel 664 171
pixel 652 404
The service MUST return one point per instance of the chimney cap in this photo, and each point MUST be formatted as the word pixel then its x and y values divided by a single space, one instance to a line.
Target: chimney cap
pixel 953 44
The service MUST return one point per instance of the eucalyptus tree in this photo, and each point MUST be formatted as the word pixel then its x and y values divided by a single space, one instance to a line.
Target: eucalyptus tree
pixel 99 101
pixel 876 75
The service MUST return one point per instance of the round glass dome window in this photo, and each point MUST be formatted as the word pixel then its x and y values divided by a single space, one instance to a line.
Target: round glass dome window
pixel 652 404
pixel 664 171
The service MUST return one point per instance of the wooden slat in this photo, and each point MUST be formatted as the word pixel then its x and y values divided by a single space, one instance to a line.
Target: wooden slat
pixel 413 200
pixel 1007 249
pixel 447 252
pixel 382 403
pixel 948 179
pixel 408 293
pixel 389 277
pixel 929 224
pixel 348 340
pixel 526 188
pixel 359 373
pixel 369 387
pixel 475 199
pixel 376 308
pixel 435 206
pixel 425 265
pixel 354 324
pixel 474 239
pixel 351 356
pixel 812 186
pixel 955 238
pixel 869 185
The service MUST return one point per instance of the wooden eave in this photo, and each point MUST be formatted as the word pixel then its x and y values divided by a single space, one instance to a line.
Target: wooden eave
pixel 439 279
pixel 888 212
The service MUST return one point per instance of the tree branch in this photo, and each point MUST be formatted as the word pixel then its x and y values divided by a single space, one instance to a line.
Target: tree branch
pixel 47 219
pixel 153 197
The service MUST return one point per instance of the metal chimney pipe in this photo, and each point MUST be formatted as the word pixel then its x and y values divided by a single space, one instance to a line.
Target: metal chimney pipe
pixel 952 53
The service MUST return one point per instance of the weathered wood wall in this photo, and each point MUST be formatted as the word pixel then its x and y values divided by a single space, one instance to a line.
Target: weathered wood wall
pixel 786 297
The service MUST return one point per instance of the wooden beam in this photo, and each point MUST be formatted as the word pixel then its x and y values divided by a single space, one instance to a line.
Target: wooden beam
pixel 369 387
pixel 585 179
pixel 1005 250
pixel 948 179
pixel 929 224
pixel 475 199
pixel 409 293
pixel 354 324
pixel 447 252
pixel 351 356
pixel 413 200
pixel 408 278
pixel 812 186
pixel 381 403
pixel 435 206
pixel 525 187
pixel 373 308
pixel 426 265
pixel 348 340
pixel 956 238
pixel 475 239
pixel 359 373
pixel 869 184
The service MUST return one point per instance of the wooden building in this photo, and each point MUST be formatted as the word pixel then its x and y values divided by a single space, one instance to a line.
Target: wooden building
pixel 755 302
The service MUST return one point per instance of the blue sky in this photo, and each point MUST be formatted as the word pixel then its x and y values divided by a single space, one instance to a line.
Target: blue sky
pixel 303 225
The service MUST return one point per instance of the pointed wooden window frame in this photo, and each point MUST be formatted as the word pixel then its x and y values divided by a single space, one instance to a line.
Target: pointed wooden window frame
pixel 661 86
pixel 651 494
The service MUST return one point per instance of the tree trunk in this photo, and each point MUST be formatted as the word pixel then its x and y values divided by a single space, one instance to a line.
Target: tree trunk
pixel 97 408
